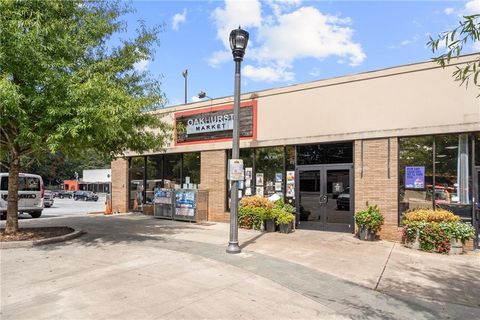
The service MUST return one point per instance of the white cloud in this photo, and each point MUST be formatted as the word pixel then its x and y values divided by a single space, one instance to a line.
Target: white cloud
pixel 195 99
pixel 471 7
pixel 292 33
pixel 267 74
pixel 246 14
pixel 449 11
pixel 178 19
pixel 405 42
pixel 219 57
pixel 141 65
pixel 476 46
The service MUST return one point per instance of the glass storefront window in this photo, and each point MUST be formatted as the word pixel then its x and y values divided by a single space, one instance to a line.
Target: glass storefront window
pixel 154 176
pixel 452 186
pixel 269 172
pixel 191 170
pixel 172 170
pixel 443 178
pixel 136 189
pixel 329 153
pixel 415 173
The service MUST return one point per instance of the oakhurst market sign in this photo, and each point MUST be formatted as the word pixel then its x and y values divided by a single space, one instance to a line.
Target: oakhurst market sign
pixel 210 124
pixel 213 123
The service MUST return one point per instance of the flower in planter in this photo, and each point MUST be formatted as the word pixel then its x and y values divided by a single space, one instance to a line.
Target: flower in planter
pixel 369 220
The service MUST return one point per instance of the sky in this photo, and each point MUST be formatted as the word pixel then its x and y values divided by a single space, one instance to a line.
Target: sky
pixel 291 41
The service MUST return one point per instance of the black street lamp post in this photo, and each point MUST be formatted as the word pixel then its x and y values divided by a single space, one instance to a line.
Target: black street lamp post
pixel 238 44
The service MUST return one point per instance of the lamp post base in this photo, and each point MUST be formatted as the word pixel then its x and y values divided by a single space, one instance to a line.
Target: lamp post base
pixel 233 248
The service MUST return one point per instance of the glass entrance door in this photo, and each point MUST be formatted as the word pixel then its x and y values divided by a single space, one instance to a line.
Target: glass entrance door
pixel 325 201
pixel 476 204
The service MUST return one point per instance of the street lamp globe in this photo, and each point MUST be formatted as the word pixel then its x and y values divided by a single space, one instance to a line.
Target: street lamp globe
pixel 238 43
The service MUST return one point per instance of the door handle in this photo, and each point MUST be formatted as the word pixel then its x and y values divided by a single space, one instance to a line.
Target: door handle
pixel 323 199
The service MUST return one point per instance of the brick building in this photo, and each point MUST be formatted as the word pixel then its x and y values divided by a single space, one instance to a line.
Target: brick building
pixel 401 138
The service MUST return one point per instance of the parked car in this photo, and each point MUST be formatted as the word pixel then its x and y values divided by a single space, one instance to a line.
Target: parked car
pixel 85 195
pixel 343 200
pixel 65 194
pixel 48 199
pixel 30 194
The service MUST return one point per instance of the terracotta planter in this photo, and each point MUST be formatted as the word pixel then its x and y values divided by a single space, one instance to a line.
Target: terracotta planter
pixel 366 235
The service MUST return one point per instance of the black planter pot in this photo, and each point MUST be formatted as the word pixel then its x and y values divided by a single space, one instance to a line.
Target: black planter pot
pixel 366 235
pixel 269 225
pixel 285 228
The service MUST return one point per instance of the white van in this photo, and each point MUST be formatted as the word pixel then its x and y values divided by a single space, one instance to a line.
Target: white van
pixel 30 194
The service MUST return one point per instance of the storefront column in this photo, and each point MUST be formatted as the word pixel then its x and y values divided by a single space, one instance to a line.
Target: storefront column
pixel 213 166
pixel 119 190
pixel 376 181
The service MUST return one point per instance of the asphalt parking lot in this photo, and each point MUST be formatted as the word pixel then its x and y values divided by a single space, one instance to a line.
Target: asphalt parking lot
pixel 69 207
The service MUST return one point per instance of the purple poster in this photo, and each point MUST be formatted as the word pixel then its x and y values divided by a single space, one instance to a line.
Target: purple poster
pixel 415 177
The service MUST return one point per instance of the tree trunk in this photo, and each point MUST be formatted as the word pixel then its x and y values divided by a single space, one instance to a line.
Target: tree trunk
pixel 12 207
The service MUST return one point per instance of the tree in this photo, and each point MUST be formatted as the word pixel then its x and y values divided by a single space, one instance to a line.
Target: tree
pixel 65 87
pixel 468 32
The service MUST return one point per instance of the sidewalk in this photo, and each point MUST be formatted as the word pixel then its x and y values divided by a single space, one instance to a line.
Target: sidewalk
pixel 137 267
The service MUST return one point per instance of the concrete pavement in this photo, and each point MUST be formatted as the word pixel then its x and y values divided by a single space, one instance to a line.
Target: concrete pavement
pixel 138 267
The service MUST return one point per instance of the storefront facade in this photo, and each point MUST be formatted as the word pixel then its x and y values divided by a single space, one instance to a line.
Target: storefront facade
pixel 401 138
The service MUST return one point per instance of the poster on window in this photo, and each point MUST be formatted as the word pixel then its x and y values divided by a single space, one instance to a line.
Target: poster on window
pixel 259 179
pixel 185 203
pixel 290 192
pixel 248 191
pixel 278 177
pixel 415 177
pixel 259 191
pixel 247 183
pixel 248 173
pixel 278 186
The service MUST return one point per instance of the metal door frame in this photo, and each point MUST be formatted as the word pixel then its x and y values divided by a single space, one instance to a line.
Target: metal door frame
pixel 323 168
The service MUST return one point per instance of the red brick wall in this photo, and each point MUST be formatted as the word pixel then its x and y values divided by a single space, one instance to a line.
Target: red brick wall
pixel 213 166
pixel 374 185
pixel 120 185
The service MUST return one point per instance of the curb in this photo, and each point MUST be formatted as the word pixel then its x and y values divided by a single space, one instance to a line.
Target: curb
pixel 34 243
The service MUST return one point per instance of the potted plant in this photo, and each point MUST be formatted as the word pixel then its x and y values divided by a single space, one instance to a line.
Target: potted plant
pixel 284 221
pixel 459 233
pixel 270 216
pixel 369 222
pixel 253 211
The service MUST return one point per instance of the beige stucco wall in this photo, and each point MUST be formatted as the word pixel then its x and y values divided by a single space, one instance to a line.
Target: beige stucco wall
pixel 415 99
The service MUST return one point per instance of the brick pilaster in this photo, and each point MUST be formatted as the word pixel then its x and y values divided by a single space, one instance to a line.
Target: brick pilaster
pixel 120 185
pixel 213 166
pixel 373 184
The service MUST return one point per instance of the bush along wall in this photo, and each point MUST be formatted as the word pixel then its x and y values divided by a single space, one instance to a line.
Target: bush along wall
pixel 436 231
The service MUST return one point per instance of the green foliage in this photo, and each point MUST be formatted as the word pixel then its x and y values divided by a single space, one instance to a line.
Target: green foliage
pixel 251 217
pixel 434 239
pixel 467 32
pixel 459 230
pixel 429 215
pixel 284 217
pixel 280 204
pixel 371 218
pixel 435 236
pixel 63 88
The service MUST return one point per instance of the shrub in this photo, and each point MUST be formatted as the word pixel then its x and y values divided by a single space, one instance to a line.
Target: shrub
pixel 371 218
pixel 435 229
pixel 284 217
pixel 458 230
pixel 429 215
pixel 251 217
pixel 256 201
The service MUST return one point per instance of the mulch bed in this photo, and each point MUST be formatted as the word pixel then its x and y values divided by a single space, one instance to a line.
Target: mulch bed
pixel 29 234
